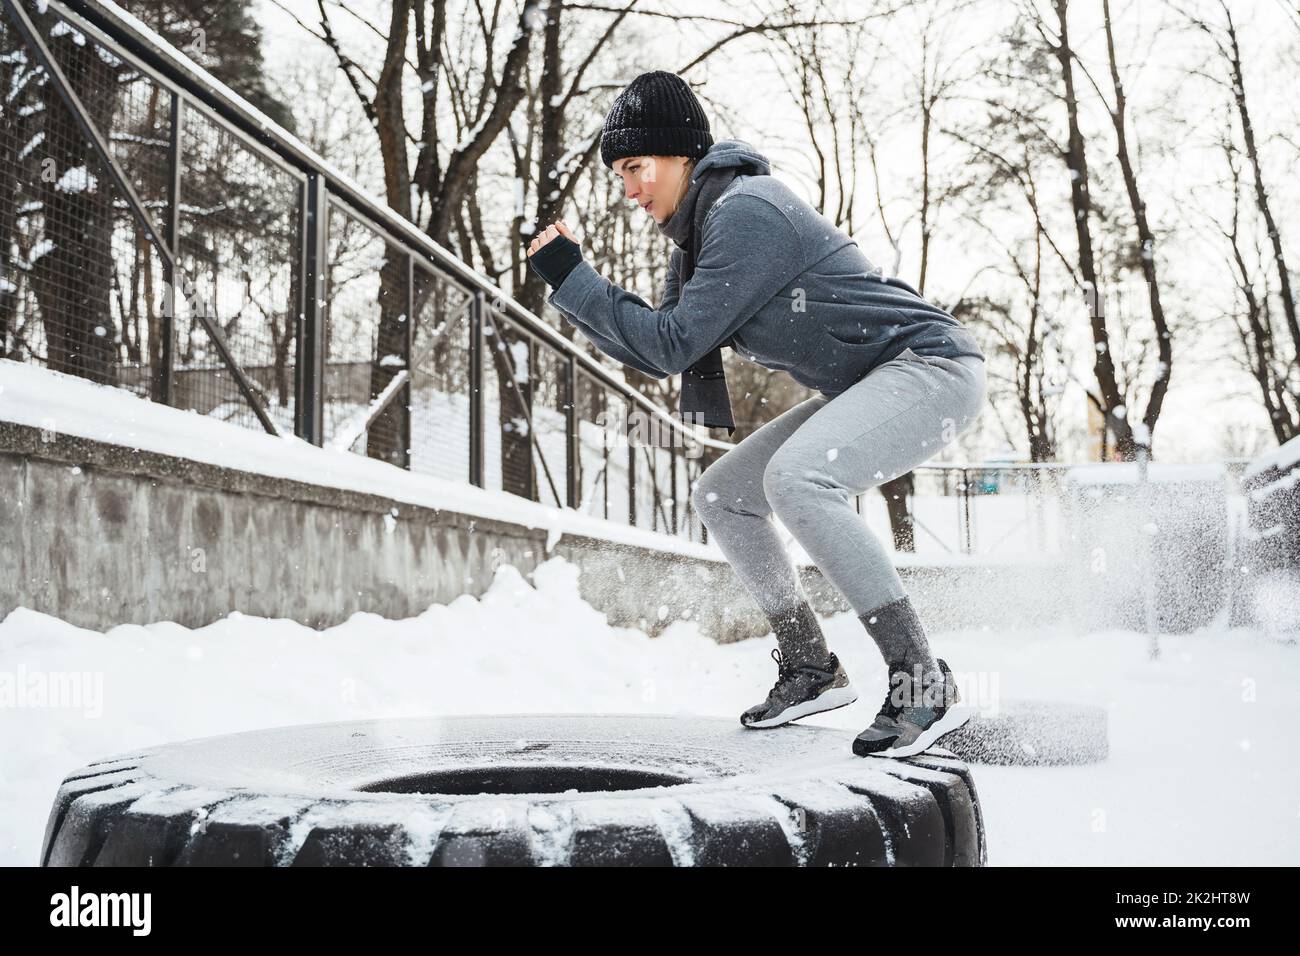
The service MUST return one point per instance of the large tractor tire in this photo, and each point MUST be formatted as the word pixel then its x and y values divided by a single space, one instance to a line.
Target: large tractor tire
pixel 530 790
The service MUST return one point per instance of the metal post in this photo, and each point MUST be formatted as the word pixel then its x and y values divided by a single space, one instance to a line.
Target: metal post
pixel 476 389
pixel 309 414
pixel 168 359
pixel 672 457
pixel 574 450
pixel 965 498
pixel 1142 440
pixel 631 463
pixel 605 435
pixel 408 345
pixel 649 458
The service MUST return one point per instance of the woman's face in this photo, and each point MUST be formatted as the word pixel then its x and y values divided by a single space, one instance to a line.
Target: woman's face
pixel 654 182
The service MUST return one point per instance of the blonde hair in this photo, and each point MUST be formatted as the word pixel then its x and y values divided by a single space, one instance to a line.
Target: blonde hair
pixel 686 182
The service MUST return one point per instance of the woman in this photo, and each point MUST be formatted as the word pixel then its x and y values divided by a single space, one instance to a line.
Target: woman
pixel 757 268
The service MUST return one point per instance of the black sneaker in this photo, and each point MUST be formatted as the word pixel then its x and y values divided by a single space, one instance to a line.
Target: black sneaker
pixel 904 728
pixel 801 690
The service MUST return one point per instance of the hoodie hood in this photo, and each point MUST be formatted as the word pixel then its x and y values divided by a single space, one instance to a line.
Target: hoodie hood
pixel 733 152
pixel 724 153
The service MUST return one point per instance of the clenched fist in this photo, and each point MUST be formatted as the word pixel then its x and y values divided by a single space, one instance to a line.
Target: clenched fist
pixel 557 228
pixel 554 253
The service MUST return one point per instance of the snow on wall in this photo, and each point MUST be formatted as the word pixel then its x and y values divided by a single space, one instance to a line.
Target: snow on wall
pixel 45 399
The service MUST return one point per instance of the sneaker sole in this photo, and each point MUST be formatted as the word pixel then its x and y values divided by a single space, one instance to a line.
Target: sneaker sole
pixel 830 700
pixel 957 715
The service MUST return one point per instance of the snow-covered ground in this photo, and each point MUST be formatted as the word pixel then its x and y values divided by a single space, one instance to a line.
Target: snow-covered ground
pixel 1202 766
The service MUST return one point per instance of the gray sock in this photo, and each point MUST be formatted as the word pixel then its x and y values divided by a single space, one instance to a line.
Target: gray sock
pixel 897 630
pixel 799 635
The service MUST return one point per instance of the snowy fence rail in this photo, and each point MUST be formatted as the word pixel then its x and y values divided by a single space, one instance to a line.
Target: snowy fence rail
pixel 162 235
pixel 994 510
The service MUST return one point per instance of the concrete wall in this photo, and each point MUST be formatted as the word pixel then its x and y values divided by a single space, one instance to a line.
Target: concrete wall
pixel 99 535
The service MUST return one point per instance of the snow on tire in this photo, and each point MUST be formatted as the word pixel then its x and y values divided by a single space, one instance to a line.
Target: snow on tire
pixel 526 790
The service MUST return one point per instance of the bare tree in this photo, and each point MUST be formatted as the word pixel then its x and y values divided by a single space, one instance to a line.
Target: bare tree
pixel 1010 156
pixel 1109 400
pixel 1146 246
pixel 1037 49
pixel 1277 371
pixel 939 68
pixel 1252 314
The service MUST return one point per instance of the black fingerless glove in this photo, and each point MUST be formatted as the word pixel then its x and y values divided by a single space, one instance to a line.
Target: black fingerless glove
pixel 556 259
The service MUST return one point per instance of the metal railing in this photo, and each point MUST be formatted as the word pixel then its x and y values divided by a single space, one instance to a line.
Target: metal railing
pixel 1004 510
pixel 164 236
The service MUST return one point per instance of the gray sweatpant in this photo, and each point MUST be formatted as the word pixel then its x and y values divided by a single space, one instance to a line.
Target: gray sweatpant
pixel 806 465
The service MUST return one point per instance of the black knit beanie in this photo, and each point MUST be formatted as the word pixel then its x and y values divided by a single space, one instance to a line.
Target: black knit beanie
pixel 655 115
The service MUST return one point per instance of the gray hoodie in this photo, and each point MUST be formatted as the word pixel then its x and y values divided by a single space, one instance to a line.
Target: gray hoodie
pixel 798 294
